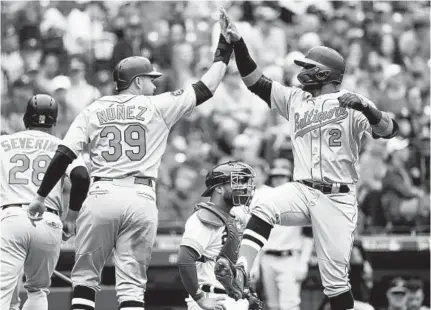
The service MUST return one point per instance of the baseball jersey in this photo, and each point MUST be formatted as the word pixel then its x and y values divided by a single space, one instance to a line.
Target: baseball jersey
pixel 25 156
pixel 127 135
pixel 326 138
pixel 207 241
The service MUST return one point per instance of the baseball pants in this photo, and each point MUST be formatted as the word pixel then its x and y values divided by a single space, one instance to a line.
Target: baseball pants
pixel 35 249
pixel 230 303
pixel 282 290
pixel 333 219
pixel 121 217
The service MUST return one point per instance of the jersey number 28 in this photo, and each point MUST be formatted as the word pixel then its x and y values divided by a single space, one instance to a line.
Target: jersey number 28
pixel 133 135
pixel 38 167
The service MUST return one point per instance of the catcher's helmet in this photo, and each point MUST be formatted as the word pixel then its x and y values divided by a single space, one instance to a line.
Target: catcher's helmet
pixel 130 68
pixel 42 111
pixel 323 65
pixel 238 174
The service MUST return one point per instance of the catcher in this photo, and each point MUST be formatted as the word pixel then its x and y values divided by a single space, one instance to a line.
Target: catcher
pixel 212 232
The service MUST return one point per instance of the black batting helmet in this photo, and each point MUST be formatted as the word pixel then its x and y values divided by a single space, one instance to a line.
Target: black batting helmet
pixel 323 65
pixel 42 111
pixel 130 68
pixel 238 174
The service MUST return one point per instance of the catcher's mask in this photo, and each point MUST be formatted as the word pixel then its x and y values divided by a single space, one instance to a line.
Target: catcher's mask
pixel 321 65
pixel 239 175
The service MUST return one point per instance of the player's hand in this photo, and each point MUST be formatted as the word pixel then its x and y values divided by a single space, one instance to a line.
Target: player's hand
pixel 212 303
pixel 301 272
pixel 69 230
pixel 352 101
pixel 36 209
pixel 228 28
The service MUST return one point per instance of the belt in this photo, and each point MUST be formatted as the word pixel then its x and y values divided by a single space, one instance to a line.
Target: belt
pixel 21 205
pixel 204 259
pixel 138 180
pixel 211 289
pixel 279 253
pixel 327 189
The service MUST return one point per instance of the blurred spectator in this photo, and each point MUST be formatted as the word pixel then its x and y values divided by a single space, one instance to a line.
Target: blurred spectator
pixel 397 295
pixel 11 63
pixel 415 295
pixel 279 176
pixel 80 94
pixel 400 199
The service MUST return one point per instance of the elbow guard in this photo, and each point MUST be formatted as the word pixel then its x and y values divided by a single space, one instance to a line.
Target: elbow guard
pixel 262 88
pixel 203 93
pixel 80 180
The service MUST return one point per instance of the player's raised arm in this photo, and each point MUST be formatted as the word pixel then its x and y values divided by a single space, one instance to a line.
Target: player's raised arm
pixel 66 153
pixel 380 122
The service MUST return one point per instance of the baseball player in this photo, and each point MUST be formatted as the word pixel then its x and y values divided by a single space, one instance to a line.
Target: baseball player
pixel 211 232
pixel 25 244
pixel 328 126
pixel 126 135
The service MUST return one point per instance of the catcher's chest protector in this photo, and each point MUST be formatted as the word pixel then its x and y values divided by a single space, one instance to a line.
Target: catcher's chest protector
pixel 230 249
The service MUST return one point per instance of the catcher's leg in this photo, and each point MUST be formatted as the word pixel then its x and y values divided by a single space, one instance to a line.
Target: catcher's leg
pixel 132 253
pixel 331 215
pixel 97 227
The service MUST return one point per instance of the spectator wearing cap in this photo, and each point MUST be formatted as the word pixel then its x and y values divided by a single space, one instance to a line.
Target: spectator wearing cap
pixel 397 295
pixel 279 176
pixel 400 199
pixel 80 94
pixel 415 295
pixel 60 85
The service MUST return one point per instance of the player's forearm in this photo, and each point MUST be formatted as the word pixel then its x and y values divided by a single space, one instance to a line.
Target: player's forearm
pixel 251 73
pixel 255 236
pixel 381 123
pixel 56 169
pixel 208 84
pixel 213 77
pixel 80 180
pixel 187 268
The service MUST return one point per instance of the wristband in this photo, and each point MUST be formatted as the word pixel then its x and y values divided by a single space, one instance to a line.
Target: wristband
pixel 224 51
pixel 199 295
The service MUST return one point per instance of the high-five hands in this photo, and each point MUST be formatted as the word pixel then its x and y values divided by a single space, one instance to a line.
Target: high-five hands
pixel 228 28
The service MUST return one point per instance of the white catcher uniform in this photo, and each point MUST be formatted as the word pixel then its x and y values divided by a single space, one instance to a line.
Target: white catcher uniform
pixel 126 137
pixel 207 241
pixel 326 142
pixel 25 156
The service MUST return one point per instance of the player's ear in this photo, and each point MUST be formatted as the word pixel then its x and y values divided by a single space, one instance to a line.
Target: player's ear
pixel 219 189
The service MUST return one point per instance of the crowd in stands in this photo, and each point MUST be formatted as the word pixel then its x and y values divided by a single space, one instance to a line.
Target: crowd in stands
pixel 69 48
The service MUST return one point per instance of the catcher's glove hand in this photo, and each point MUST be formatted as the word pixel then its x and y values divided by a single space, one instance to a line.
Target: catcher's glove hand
pixel 352 101
pixel 254 303
pixel 233 278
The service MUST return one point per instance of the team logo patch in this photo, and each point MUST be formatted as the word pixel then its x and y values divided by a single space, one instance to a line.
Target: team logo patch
pixel 42 119
pixel 177 92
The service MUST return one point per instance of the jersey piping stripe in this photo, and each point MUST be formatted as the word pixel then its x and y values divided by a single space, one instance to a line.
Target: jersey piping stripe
pixel 251 244
pixel 255 235
pixel 82 301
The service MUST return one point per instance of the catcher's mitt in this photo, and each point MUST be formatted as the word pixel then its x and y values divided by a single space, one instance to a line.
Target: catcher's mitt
pixel 235 281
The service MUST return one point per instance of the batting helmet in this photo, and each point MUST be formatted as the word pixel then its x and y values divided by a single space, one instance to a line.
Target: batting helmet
pixel 42 111
pixel 323 65
pixel 130 68
pixel 238 174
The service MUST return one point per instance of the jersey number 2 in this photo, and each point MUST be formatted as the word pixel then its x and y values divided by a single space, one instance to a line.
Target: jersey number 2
pixel 39 166
pixel 334 139
pixel 134 136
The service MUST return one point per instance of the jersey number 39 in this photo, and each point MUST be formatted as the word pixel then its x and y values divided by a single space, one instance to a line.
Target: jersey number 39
pixel 133 136
pixel 38 168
